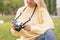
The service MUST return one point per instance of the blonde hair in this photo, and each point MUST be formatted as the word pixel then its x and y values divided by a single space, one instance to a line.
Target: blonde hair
pixel 42 3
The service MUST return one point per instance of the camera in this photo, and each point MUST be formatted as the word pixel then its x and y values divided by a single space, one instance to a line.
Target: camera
pixel 18 24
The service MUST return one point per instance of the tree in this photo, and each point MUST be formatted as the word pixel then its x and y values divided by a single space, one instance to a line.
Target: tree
pixel 51 6
pixel 10 6
pixel 1 7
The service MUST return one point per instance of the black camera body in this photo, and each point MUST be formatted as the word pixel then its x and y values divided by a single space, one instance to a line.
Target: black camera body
pixel 19 25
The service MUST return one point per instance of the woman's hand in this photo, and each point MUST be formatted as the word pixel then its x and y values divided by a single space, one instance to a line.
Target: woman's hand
pixel 13 26
pixel 27 27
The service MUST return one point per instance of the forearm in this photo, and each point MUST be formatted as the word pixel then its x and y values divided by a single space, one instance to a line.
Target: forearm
pixel 41 28
pixel 15 33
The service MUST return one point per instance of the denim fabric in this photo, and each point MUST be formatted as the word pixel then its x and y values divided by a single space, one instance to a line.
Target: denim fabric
pixel 49 35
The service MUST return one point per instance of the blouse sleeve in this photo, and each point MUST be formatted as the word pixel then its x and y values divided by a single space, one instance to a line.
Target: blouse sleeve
pixel 16 33
pixel 47 23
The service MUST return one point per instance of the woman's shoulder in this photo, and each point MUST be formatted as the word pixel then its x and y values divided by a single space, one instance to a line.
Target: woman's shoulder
pixel 43 9
pixel 21 8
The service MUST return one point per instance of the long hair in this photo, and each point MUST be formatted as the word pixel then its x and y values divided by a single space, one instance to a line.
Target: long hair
pixel 40 2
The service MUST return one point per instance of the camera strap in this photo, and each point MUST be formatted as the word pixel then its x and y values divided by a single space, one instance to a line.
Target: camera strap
pixel 20 14
pixel 29 17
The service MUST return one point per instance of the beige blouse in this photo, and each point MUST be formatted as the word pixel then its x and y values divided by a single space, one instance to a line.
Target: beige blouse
pixel 40 22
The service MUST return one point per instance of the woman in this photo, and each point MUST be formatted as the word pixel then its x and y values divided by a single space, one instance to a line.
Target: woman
pixel 39 27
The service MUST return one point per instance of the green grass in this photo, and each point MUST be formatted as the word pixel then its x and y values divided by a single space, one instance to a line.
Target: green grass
pixel 5 28
pixel 5 33
pixel 57 28
pixel 6 18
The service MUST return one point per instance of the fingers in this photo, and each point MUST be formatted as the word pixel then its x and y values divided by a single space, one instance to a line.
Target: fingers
pixel 27 27
pixel 13 26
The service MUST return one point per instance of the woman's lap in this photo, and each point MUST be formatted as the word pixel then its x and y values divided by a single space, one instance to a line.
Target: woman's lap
pixel 49 35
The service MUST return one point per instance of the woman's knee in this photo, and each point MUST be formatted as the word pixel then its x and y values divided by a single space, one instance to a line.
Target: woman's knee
pixel 49 35
pixel 41 37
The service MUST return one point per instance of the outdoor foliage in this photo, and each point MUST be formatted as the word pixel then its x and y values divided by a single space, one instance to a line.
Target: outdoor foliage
pixel 51 6
pixel 11 6
pixel 7 18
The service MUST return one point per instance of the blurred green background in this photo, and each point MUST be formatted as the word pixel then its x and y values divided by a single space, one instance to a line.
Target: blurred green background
pixel 8 10
pixel 9 7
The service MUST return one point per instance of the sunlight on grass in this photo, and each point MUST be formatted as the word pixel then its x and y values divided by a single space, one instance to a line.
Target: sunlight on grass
pixel 5 33
pixel 57 28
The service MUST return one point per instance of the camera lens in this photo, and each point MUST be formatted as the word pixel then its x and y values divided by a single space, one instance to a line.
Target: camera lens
pixel 18 27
